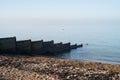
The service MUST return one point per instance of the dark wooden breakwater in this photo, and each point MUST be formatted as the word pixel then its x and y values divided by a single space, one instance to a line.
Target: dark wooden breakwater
pixel 11 46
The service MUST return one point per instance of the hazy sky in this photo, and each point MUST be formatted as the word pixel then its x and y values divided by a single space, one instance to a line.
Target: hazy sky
pixel 57 11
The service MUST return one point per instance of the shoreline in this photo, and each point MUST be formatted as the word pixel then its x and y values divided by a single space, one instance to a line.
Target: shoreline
pixel 38 68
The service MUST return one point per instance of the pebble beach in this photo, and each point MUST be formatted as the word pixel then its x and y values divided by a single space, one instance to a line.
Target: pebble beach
pixel 47 68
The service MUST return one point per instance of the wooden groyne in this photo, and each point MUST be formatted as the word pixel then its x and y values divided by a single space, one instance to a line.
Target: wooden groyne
pixel 10 45
pixel 76 46
pixel 37 47
pixel 24 46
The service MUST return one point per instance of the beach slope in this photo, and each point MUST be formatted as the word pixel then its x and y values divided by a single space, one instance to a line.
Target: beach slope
pixel 46 68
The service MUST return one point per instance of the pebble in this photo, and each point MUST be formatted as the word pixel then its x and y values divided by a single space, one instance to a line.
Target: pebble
pixel 54 71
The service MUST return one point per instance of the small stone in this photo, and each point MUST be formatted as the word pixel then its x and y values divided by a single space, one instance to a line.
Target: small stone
pixel 75 75
pixel 68 77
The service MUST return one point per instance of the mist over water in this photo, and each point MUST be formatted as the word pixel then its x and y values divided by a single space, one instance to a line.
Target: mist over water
pixel 103 40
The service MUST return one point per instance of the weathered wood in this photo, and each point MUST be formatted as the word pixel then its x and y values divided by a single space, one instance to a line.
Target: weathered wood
pixel 8 45
pixel 58 48
pixel 81 45
pixel 37 47
pixel 48 46
pixel 74 46
pixel 24 47
pixel 66 47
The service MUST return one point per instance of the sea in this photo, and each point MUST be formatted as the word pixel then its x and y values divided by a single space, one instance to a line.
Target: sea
pixel 101 43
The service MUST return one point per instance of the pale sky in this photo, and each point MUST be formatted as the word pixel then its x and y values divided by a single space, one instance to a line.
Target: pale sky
pixel 57 11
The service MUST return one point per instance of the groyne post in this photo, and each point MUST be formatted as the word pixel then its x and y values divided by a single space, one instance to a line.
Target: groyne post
pixel 24 47
pixel 8 45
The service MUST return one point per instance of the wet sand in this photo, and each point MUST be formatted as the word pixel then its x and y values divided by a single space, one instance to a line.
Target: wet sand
pixel 46 68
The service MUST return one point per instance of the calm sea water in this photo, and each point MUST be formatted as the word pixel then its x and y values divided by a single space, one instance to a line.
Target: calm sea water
pixel 103 40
